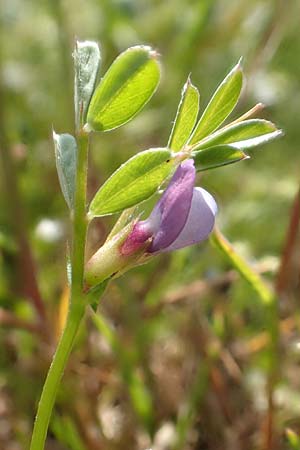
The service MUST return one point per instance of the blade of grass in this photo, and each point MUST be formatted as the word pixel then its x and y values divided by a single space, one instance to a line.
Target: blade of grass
pixel 248 273
pixel 66 432
pixel 186 416
pixel 139 394
pixel 269 300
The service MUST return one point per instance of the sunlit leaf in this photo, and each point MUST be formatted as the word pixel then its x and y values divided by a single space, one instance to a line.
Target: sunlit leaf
pixel 126 87
pixel 185 118
pixel 66 157
pixel 133 182
pixel 87 59
pixel 217 156
pixel 243 135
pixel 221 104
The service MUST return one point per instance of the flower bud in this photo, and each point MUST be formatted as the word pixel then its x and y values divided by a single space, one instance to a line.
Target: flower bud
pixel 109 261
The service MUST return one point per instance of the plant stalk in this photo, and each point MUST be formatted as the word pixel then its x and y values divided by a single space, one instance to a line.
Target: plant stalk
pixel 77 304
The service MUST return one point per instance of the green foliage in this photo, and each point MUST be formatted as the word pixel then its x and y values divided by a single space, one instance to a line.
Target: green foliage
pixel 220 106
pixel 209 148
pixel 185 118
pixel 87 60
pixel 125 88
pixel 217 156
pixel 135 181
pixel 242 135
pixel 66 159
pixel 164 311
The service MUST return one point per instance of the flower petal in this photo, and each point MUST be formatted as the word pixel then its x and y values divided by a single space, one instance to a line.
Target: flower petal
pixel 172 210
pixel 200 221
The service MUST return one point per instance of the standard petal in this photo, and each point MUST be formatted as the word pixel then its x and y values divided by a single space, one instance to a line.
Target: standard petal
pixel 172 210
pixel 200 222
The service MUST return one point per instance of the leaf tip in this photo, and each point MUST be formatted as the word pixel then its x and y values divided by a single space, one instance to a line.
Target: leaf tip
pixel 260 106
pixel 240 62
pixel 189 83
pixel 279 133
pixel 154 54
pixel 189 80
pixel 238 68
pixel 186 85
pixel 272 126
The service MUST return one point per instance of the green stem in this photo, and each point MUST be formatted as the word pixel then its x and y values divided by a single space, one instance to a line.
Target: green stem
pixel 80 218
pixel 77 303
pixel 53 379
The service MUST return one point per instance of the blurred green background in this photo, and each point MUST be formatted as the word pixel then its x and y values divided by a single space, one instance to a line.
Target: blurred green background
pixel 181 361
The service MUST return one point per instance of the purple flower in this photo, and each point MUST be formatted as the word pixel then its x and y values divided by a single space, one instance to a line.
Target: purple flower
pixel 183 216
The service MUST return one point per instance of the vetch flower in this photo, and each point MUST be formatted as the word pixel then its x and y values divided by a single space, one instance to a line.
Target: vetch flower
pixel 184 215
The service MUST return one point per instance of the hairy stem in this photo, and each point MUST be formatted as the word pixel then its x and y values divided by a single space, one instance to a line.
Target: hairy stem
pixel 77 305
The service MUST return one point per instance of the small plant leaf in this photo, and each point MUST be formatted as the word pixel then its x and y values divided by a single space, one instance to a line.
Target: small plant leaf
pixel 126 87
pixel 185 118
pixel 242 135
pixel 133 182
pixel 66 159
pixel 94 294
pixel 87 60
pixel 217 156
pixel 220 106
